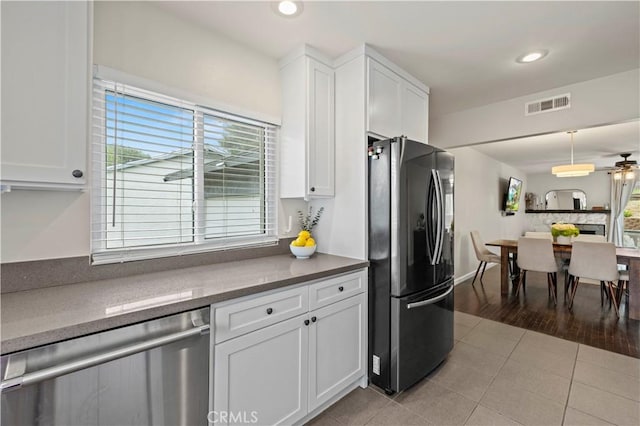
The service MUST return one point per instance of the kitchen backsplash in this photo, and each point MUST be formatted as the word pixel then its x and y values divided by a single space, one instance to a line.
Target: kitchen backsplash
pixel 36 274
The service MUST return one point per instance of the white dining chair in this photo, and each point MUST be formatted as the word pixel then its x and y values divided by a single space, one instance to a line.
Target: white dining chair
pixel 536 254
pixel 483 254
pixel 596 261
pixel 593 239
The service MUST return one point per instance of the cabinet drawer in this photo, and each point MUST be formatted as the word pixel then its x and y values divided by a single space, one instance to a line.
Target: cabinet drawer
pixel 243 317
pixel 329 291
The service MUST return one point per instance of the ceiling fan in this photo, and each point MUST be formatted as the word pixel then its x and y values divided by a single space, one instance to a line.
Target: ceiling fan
pixel 625 169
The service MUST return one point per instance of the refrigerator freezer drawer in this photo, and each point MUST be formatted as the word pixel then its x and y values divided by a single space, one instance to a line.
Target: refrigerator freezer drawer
pixel 421 335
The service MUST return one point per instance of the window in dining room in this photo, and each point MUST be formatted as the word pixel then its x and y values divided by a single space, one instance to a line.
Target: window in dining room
pixel 632 219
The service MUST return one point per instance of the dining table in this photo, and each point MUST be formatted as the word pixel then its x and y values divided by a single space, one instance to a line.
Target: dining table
pixel 626 256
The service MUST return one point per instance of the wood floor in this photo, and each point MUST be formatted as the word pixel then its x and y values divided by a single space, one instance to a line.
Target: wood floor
pixel 587 323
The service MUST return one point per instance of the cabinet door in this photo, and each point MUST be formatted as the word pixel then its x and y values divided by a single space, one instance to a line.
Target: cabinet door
pixel 415 113
pixel 384 101
pixel 320 139
pixel 262 376
pixel 336 348
pixel 45 69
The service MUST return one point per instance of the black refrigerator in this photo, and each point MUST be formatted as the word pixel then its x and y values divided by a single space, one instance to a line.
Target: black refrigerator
pixel 411 261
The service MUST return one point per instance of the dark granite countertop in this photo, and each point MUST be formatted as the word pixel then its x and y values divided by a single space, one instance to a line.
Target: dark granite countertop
pixel 42 316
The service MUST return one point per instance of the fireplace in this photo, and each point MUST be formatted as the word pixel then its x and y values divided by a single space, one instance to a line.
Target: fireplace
pixel 590 228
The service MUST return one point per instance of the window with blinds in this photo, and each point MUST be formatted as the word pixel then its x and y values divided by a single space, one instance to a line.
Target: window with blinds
pixel 172 177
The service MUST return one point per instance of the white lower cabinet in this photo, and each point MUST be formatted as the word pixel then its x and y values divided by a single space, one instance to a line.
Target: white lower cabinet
pixel 336 346
pixel 262 376
pixel 280 373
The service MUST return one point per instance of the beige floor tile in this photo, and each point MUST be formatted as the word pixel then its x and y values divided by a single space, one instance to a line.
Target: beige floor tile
pixel 613 361
pixel 358 407
pixel 483 416
pixel 522 406
pixel 529 353
pixel 395 414
pixel 461 378
pixel 481 360
pixel 490 342
pixel 505 331
pixel 465 319
pixel 608 380
pixel 381 391
pixel 535 380
pixel 551 344
pixel 323 419
pixel 573 417
pixel 436 404
pixel 460 330
pixel 604 405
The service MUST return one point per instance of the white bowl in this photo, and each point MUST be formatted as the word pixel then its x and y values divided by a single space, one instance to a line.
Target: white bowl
pixel 302 252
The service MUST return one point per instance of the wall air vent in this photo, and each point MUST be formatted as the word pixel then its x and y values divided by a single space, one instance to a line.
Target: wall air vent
pixel 547 105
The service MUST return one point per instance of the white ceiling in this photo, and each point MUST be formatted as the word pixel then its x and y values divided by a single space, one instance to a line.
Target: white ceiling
pixel 599 145
pixel 465 52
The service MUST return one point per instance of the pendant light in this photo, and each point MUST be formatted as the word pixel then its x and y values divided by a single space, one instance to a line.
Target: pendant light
pixel 572 170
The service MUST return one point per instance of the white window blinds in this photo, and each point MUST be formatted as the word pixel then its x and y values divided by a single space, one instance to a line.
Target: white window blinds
pixel 171 177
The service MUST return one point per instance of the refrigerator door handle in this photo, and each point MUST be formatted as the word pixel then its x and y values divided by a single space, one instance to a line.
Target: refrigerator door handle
pixel 430 301
pixel 431 243
pixel 439 237
pixel 440 217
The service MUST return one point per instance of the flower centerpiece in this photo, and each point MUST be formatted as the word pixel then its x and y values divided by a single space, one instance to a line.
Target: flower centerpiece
pixel 305 245
pixel 563 232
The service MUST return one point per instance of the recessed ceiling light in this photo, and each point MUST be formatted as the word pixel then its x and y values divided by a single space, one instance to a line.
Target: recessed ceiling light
pixel 532 56
pixel 288 8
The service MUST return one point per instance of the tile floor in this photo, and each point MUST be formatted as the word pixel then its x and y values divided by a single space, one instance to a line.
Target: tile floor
pixel 498 374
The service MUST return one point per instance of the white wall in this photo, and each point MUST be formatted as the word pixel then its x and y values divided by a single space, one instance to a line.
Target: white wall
pixel 146 41
pixel 142 40
pixel 595 102
pixel 480 183
pixel 596 186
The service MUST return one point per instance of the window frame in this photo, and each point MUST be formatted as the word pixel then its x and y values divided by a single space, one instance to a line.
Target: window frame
pixel 100 254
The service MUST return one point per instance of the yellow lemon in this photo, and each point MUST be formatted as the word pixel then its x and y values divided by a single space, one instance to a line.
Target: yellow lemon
pixel 299 242
pixel 310 242
pixel 304 234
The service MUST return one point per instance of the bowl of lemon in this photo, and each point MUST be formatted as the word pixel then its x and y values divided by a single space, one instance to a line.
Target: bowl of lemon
pixel 303 246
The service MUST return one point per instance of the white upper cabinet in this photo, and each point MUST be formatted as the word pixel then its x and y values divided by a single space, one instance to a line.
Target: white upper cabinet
pixel 45 80
pixel 307 163
pixel 395 106
pixel 415 113
pixel 384 104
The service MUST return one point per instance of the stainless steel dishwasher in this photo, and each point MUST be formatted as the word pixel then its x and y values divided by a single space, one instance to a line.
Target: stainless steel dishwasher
pixel 152 373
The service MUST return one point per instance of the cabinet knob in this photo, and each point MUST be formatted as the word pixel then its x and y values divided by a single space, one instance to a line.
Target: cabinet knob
pixel 340 288
pixel 313 189
pixel 77 173
pixel 314 319
pixel 269 311
pixel 306 322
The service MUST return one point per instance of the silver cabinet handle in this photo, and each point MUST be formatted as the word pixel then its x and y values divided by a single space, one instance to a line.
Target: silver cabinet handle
pixel 91 361
pixel 429 301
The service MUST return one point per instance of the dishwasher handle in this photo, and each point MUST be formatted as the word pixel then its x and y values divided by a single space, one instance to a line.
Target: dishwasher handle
pixel 91 361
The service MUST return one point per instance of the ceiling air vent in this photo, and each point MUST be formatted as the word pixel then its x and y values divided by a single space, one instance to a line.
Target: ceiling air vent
pixel 546 105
